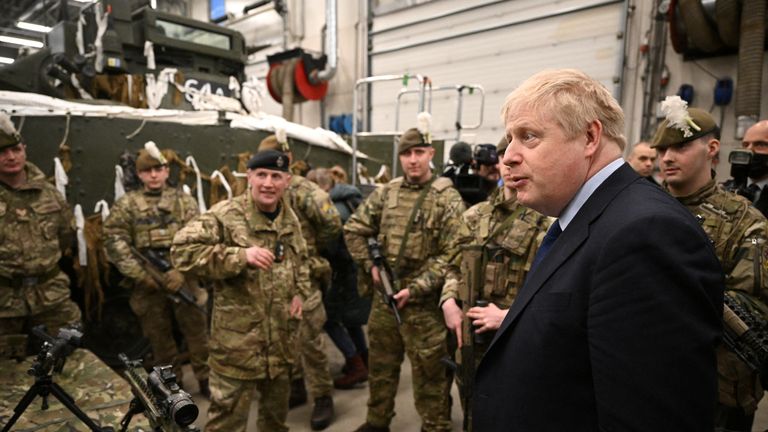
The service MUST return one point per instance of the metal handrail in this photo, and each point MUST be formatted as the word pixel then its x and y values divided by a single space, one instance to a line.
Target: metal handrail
pixel 422 80
pixel 459 88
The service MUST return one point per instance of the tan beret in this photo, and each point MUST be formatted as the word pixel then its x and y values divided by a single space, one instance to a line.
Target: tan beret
pixel 668 135
pixel 501 147
pixel 144 161
pixel 411 138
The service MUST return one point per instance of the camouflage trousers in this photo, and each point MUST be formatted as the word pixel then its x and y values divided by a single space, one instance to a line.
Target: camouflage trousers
pixel 231 403
pixel 54 313
pixel 423 337
pixel 311 348
pixel 155 312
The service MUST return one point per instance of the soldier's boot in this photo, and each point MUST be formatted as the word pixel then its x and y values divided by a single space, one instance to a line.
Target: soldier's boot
pixel 356 373
pixel 298 393
pixel 205 390
pixel 347 366
pixel 367 427
pixel 322 413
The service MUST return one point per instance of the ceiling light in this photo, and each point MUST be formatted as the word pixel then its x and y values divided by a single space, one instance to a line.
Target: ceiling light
pixel 6 60
pixel 33 27
pixel 20 41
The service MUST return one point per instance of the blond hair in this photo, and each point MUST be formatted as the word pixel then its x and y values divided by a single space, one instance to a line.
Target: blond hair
pixel 570 98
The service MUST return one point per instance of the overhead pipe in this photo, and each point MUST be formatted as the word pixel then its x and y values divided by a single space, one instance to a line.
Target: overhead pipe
pixel 750 68
pixel 331 43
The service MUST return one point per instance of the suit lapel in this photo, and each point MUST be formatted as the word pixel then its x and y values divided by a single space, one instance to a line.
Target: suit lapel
pixel 572 237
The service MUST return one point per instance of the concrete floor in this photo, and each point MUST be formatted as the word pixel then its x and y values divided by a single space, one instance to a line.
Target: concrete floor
pixel 350 405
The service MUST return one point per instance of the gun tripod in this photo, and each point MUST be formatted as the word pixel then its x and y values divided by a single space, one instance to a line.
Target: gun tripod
pixel 43 387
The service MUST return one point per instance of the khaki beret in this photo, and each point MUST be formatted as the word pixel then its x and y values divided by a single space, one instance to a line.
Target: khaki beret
pixel 668 135
pixel 8 140
pixel 501 147
pixel 271 143
pixel 269 159
pixel 145 161
pixel 411 138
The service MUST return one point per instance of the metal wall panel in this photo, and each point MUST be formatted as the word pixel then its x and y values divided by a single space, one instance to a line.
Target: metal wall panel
pixel 496 44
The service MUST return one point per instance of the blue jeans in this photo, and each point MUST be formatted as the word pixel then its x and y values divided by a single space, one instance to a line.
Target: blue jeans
pixel 349 340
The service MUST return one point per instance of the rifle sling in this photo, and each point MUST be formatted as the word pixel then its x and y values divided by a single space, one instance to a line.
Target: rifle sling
pixel 505 225
pixel 409 225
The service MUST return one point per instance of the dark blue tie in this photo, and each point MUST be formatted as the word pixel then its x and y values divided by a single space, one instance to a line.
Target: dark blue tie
pixel 549 239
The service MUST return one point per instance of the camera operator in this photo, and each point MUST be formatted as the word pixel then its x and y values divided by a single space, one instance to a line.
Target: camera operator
pixel 750 174
pixel 474 173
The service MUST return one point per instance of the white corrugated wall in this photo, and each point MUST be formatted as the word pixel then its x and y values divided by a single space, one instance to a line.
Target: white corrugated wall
pixel 497 44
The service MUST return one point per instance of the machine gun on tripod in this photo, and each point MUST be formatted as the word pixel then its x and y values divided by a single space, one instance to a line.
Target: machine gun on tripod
pixel 51 358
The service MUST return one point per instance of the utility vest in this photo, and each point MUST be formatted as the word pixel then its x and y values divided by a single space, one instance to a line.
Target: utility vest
pixel 506 238
pixel 159 218
pixel 399 201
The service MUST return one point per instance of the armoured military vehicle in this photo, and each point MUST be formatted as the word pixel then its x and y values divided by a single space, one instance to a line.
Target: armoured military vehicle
pixel 116 75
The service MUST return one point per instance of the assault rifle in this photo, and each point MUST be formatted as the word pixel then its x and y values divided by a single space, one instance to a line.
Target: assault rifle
pixel 470 292
pixel 387 279
pixel 167 407
pixel 746 335
pixel 156 264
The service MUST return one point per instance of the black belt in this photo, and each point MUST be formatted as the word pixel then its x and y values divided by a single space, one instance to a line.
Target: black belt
pixel 32 280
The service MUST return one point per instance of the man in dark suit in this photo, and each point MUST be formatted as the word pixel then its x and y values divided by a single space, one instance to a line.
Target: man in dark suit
pixel 756 140
pixel 616 326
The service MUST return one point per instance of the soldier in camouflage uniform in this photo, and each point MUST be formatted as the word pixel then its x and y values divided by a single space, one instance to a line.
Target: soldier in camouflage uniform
pixel 738 232
pixel 320 225
pixel 423 214
pixel 510 235
pixel 253 250
pixel 36 227
pixel 145 220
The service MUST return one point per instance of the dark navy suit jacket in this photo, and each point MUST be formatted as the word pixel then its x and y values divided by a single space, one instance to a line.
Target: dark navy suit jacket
pixel 616 329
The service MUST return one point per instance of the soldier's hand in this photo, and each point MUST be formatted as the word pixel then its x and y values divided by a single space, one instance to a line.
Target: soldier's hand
pixel 375 276
pixel 259 257
pixel 296 307
pixel 453 317
pixel 148 283
pixel 402 297
pixel 173 280
pixel 486 318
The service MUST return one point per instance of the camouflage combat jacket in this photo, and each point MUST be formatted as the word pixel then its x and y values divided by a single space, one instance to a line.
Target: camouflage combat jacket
pixel 433 241
pixel 320 221
pixel 36 226
pixel 738 232
pixel 512 234
pixel 145 220
pixel 252 334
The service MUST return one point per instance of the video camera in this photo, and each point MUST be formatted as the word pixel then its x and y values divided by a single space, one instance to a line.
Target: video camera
pixel 746 164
